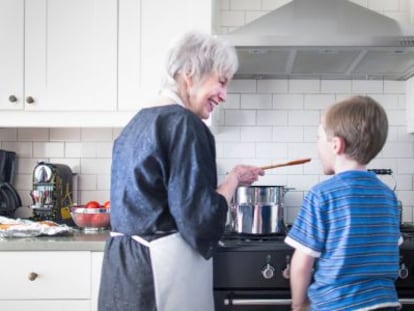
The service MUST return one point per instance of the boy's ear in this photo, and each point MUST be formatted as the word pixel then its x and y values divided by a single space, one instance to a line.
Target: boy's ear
pixel 338 145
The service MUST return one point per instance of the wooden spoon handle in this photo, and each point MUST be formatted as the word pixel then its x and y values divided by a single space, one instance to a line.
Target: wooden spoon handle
pixel 294 162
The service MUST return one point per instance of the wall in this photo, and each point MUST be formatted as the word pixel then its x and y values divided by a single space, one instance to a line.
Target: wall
pixel 262 122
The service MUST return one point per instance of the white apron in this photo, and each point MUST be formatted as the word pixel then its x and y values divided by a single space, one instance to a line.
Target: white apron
pixel 183 279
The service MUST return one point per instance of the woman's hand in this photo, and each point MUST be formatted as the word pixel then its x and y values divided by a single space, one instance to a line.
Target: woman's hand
pixel 240 175
pixel 246 174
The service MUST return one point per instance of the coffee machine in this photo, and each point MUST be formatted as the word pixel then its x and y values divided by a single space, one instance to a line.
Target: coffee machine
pixel 52 192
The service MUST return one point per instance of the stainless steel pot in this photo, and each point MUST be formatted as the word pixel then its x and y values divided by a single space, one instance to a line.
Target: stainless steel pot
pixel 257 210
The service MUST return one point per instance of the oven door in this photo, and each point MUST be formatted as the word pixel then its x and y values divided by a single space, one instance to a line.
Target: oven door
pixel 406 297
pixel 252 300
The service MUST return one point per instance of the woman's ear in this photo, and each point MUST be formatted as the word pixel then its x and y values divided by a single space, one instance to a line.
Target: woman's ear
pixel 188 79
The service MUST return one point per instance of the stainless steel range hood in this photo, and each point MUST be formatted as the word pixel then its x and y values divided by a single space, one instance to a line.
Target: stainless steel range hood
pixel 324 39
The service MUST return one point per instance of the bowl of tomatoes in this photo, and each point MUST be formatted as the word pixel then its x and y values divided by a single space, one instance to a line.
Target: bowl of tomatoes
pixel 92 216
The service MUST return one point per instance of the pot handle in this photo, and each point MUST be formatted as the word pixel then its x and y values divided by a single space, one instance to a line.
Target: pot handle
pixel 288 189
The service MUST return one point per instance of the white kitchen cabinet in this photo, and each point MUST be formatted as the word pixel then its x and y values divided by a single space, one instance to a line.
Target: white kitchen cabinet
pixel 50 280
pixel 146 28
pixel 69 59
pixel 11 54
pixel 86 63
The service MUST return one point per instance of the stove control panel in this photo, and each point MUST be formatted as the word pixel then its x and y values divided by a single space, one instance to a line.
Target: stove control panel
pixel 268 271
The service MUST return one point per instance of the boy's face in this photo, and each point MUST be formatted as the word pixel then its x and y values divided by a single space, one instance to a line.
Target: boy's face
pixel 325 151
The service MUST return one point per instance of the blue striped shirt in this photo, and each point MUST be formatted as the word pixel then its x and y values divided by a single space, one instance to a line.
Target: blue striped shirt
pixel 350 222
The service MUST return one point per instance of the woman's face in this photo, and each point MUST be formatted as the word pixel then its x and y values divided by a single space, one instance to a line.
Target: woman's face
pixel 205 95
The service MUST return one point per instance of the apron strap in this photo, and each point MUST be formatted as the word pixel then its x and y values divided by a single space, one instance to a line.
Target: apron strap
pixel 137 238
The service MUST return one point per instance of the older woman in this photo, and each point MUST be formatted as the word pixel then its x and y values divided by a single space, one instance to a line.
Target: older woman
pixel 167 212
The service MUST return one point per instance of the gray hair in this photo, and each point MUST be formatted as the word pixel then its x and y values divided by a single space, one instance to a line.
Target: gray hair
pixel 199 54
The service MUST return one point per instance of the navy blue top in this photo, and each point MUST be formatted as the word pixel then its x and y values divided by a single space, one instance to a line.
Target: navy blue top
pixel 350 223
pixel 164 178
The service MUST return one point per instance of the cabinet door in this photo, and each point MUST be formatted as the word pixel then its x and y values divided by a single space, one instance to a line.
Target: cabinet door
pixel 71 55
pixel 11 54
pixel 147 28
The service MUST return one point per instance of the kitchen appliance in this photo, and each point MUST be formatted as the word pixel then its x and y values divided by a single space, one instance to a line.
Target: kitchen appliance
pixel 9 198
pixel 251 272
pixel 258 210
pixel 324 39
pixel 52 192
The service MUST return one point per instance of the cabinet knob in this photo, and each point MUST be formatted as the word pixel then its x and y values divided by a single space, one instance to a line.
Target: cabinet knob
pixel 30 100
pixel 32 276
pixel 12 99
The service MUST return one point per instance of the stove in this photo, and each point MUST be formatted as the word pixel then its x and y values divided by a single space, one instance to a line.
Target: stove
pixel 251 272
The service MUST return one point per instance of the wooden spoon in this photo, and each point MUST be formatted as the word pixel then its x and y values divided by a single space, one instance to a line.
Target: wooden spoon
pixel 294 162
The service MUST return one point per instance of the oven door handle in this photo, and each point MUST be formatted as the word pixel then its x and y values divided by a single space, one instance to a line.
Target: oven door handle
pixel 407 301
pixel 257 302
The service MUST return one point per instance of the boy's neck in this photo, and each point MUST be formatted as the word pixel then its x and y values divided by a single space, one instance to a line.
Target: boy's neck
pixel 343 164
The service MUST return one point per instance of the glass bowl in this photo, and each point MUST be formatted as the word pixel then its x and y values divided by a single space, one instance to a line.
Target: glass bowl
pixel 91 219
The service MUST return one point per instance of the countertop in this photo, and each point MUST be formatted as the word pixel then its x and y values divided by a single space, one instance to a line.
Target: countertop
pixel 78 241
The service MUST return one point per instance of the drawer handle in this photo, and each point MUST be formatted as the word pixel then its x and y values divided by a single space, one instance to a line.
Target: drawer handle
pixel 30 100
pixel 12 98
pixel 32 276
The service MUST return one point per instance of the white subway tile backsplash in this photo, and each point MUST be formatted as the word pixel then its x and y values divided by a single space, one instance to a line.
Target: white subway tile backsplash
pixel 388 101
pixel 272 117
pixel 95 166
pixel 7 134
pixel 391 87
pixel 405 166
pixel 301 150
pixel 272 86
pixel 256 101
pixel 228 134
pixel 232 101
pixel 303 118
pixel 96 134
pixel 28 134
pixel 335 86
pixel 396 117
pixel 317 101
pixel 288 134
pixel 304 86
pixel 47 150
pixel 240 117
pixel 22 149
pixel 363 87
pixel 239 150
pixel 65 134
pixel 288 101
pixel 256 134
pixel 398 150
pixel 274 152
pixel 242 86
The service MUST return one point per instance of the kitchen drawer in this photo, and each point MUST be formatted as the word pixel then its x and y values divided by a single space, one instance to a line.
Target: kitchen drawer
pixel 58 275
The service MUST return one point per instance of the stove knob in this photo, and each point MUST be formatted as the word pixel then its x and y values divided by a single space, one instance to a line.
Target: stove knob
pixel 403 272
pixel 268 271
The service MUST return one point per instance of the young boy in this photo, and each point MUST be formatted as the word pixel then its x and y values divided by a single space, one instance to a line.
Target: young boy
pixel 346 235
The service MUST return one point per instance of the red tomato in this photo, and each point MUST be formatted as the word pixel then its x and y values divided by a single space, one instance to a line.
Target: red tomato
pixel 93 204
pixel 107 204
